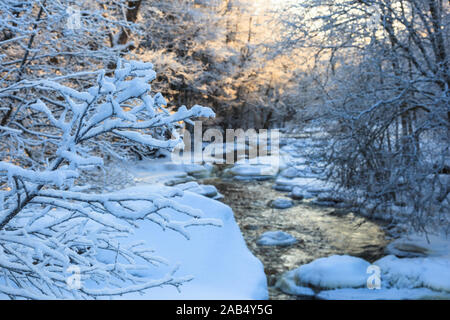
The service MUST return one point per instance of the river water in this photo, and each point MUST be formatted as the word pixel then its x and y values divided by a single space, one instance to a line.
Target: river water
pixel 321 231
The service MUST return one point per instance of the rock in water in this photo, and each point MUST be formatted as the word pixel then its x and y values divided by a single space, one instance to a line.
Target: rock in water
pixel 289 173
pixel 276 238
pixel 281 203
pixel 334 272
pixel 209 191
pixel 297 193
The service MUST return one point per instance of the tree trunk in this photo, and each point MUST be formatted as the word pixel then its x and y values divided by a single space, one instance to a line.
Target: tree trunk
pixel 131 15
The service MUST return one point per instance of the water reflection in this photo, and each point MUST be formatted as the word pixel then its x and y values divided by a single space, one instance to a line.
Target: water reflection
pixel 321 231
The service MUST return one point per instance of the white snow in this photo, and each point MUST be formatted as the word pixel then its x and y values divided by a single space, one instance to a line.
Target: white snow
pixel 166 172
pixel 430 272
pixel 217 258
pixel 252 172
pixel 57 177
pixel 116 238
pixel 288 284
pixel 289 173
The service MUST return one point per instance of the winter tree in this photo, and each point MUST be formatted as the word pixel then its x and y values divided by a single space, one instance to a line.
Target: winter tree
pixel 384 69
pixel 48 222
pixel 61 118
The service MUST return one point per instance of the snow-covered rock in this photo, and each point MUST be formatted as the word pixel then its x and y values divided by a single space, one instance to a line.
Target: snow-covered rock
pixel 311 186
pixel 288 284
pixel 281 203
pixel 337 271
pixel 415 245
pixel 327 273
pixel 209 191
pixel 430 272
pixel 297 193
pixel 276 238
pixel 197 170
pixel 289 173
pixel 260 168
pixel 345 277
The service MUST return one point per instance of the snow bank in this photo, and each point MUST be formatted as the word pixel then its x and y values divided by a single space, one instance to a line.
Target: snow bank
pixel 217 258
pixel 247 170
pixel 325 273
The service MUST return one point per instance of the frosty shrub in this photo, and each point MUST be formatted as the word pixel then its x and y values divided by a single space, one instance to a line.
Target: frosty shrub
pixel 384 70
pixel 49 223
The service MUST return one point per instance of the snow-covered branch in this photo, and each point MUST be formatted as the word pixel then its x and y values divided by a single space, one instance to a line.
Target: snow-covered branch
pixel 47 225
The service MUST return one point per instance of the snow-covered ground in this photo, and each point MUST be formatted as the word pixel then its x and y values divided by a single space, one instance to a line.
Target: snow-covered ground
pixel 217 258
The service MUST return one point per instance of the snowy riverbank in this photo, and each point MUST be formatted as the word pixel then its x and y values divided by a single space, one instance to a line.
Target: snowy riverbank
pixel 410 269
pixel 217 258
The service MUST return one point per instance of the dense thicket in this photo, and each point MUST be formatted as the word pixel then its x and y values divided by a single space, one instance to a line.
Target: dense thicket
pixel 384 70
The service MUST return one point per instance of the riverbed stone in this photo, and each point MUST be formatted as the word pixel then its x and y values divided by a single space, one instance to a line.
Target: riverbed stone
pixel 276 238
pixel 289 173
pixel 297 193
pixel 282 188
pixel 281 203
pixel 209 191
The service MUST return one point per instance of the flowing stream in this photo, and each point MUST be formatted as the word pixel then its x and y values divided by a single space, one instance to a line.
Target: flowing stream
pixel 321 231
